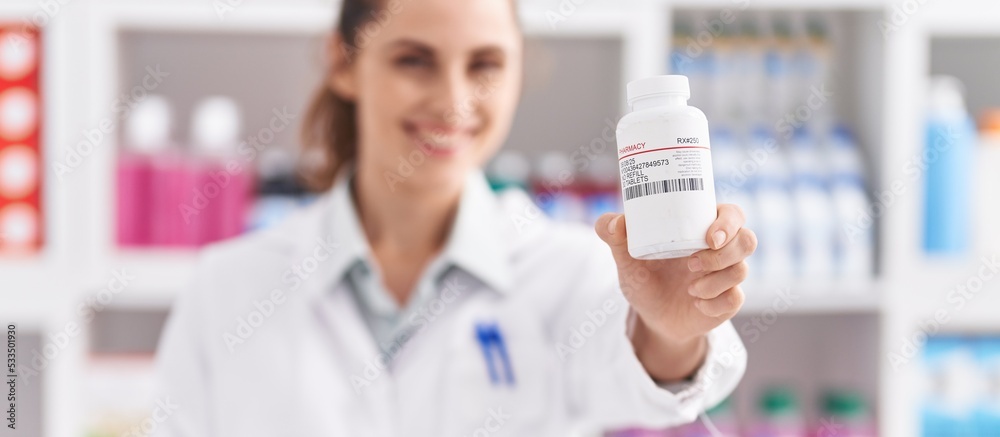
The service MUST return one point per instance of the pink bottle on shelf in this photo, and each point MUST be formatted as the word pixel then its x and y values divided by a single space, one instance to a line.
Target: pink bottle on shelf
pixel 149 177
pixel 221 198
pixel 132 184
pixel 174 179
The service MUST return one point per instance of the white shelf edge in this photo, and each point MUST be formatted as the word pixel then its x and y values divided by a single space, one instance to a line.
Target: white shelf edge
pixel 799 297
pixel 753 5
pixel 202 17
pixel 157 275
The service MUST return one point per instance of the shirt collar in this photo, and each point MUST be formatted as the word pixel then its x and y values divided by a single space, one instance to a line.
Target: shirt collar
pixel 476 243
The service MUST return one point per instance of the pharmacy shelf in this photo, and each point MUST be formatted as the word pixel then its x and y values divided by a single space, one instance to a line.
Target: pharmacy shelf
pixel 159 274
pixel 718 4
pixel 32 273
pixel 257 17
pixel 807 298
pixel 917 287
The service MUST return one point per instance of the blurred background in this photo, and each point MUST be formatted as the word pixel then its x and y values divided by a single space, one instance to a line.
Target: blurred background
pixel 862 138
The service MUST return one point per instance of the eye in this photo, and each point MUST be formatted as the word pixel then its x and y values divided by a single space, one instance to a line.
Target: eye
pixel 413 61
pixel 485 65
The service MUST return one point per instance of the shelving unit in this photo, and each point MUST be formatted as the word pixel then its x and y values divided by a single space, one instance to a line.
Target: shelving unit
pixel 836 298
pixel 82 75
pixel 917 285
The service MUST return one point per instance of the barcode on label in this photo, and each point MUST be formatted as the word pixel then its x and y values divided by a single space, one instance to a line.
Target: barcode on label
pixel 667 186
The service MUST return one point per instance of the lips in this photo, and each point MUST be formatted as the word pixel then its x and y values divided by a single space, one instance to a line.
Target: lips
pixel 440 140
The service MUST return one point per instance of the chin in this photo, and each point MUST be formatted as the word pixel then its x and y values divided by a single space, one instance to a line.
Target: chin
pixel 441 176
pixel 416 171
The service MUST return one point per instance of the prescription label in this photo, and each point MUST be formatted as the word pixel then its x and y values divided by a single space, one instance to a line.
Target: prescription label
pixel 648 171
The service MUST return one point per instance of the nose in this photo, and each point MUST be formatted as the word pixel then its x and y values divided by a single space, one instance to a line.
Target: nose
pixel 453 99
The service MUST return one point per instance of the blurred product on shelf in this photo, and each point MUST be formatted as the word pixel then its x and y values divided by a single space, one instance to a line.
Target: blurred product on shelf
pixel 565 189
pixel 987 415
pixel 772 204
pixel 855 242
pixel 779 415
pixel 845 414
pixel 988 183
pixel 147 155
pixel 948 157
pixel 169 196
pixel 721 417
pixel 225 180
pixel 20 140
pixel 813 206
pixel 758 68
pixel 279 190
pixel 961 382
pixel 780 152
pixel 509 169
pixel 554 188
pixel 731 183
pixel 120 397
pixel 638 432
pixel 989 128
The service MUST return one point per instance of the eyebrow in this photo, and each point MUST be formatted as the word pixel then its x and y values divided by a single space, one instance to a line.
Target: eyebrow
pixel 411 44
pixel 426 49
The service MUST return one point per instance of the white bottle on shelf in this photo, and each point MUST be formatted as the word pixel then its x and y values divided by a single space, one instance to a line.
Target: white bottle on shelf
pixel 814 211
pixel 734 175
pixel 775 213
pixel 855 230
pixel 749 70
pixel 777 57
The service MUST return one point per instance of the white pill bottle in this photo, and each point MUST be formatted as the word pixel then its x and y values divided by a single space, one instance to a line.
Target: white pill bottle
pixel 666 170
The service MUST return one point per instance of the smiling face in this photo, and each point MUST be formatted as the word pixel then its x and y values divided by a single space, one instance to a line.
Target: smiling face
pixel 435 84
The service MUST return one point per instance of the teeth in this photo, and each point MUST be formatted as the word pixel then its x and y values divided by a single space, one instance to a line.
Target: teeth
pixel 438 141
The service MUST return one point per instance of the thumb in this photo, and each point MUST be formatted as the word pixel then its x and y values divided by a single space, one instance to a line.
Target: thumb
pixel 611 228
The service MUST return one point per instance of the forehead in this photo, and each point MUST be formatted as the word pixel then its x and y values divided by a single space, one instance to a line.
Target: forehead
pixel 447 25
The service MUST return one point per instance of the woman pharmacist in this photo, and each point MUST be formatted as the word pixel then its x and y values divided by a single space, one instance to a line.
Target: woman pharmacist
pixel 411 305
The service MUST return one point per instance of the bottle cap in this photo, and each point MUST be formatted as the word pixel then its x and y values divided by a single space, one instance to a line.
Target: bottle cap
pixel 843 404
pixel 666 84
pixel 216 125
pixel 778 401
pixel 148 128
pixel 947 94
pixel 989 122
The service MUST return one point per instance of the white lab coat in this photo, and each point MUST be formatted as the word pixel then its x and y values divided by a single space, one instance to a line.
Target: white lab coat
pixel 269 342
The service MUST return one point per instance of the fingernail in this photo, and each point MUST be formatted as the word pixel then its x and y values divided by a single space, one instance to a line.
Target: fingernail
pixel 613 224
pixel 719 237
pixel 692 291
pixel 694 264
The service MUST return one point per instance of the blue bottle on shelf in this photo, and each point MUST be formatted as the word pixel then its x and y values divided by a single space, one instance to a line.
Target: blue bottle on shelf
pixel 948 156
pixel 987 415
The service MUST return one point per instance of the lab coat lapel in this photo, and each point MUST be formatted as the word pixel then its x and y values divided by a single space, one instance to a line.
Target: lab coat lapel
pixel 368 399
pixel 370 391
